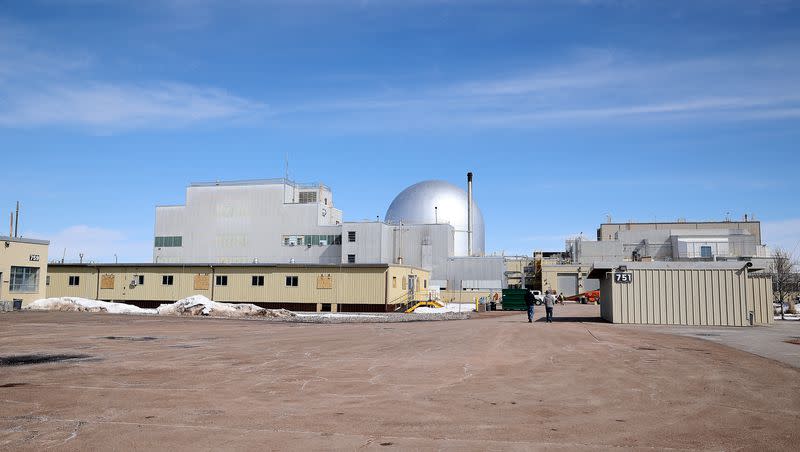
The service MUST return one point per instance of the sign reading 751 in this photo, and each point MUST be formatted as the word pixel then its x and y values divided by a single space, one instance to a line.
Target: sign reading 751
pixel 623 278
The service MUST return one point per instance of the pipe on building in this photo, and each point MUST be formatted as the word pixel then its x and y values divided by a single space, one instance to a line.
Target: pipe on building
pixel 16 222
pixel 469 214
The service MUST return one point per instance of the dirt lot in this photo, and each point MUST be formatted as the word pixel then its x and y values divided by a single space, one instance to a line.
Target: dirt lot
pixel 493 382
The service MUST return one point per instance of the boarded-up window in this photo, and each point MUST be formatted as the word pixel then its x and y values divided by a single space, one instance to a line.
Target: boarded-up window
pixel 394 282
pixel 202 282
pixel 405 284
pixel 107 282
pixel 324 282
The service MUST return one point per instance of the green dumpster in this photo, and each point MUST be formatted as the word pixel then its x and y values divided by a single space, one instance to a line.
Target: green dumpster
pixel 514 300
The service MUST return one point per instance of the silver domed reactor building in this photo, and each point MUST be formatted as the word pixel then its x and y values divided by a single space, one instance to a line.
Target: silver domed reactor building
pixel 440 202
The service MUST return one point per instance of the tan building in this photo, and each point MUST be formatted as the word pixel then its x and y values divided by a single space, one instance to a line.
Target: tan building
pixel 23 269
pixel 684 293
pixel 569 279
pixel 335 288
pixel 607 231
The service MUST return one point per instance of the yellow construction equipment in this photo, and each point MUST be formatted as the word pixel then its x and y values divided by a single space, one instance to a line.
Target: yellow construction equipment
pixel 429 304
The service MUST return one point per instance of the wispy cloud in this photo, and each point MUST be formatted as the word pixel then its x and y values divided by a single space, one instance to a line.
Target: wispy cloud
pixel 97 244
pixel 783 234
pixel 113 107
pixel 42 86
pixel 593 86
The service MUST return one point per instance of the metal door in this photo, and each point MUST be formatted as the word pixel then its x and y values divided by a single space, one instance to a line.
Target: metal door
pixel 567 284
pixel 412 286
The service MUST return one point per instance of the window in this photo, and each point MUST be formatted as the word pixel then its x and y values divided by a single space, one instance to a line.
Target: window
pixel 351 258
pixel 258 280
pixel 169 242
pixel 424 283
pixel 394 282
pixel 47 280
pixel 311 240
pixel 705 252
pixel 74 280
pixel 292 281
pixel 139 280
pixel 24 279
pixel 167 280
pixel 222 280
pixel 351 236
pixel 307 197
pixel 405 284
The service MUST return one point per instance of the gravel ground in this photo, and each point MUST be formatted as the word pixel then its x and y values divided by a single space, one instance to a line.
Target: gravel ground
pixel 494 382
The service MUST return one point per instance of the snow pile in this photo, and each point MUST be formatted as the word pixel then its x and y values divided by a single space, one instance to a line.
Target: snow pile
pixel 195 305
pixel 77 304
pixel 449 307
pixel 200 305
pixel 336 315
pixel 788 317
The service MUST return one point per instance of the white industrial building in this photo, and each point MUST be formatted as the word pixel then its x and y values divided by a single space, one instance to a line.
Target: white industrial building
pixel 429 225
pixel 680 241
pixel 672 241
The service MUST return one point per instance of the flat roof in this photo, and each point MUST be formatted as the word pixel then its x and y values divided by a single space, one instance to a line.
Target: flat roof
pixel 598 269
pixel 273 181
pixel 207 264
pixel 24 240
pixel 680 222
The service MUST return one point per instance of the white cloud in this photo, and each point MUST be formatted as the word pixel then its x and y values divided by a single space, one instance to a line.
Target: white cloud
pixel 782 234
pixel 111 107
pixel 593 86
pixel 97 245
pixel 42 84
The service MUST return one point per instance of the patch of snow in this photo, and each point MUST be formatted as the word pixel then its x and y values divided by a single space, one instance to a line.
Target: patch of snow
pixel 788 317
pixel 77 304
pixel 194 305
pixel 335 315
pixel 449 307
pixel 201 305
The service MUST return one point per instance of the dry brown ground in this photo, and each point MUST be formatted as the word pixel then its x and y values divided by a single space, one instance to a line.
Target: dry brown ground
pixel 492 383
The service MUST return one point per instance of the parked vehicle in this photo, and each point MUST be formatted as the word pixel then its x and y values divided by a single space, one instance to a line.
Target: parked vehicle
pixel 537 295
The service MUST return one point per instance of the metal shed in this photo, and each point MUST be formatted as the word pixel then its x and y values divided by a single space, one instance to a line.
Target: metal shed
pixel 684 293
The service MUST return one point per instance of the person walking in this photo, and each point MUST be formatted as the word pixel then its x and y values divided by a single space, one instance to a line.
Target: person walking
pixel 530 301
pixel 561 298
pixel 549 302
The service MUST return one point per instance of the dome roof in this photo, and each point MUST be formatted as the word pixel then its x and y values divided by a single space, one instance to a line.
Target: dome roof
pixel 417 205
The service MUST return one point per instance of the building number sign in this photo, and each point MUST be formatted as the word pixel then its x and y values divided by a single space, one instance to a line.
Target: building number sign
pixel 623 278
pixel 34 258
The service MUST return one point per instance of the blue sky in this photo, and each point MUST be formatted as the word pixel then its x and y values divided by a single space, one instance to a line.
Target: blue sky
pixel 567 111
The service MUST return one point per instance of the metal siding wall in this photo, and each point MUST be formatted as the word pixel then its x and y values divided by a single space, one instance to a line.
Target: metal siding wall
pixel 718 297
pixel 59 282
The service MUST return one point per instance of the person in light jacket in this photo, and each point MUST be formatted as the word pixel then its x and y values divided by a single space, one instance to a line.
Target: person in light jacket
pixel 549 302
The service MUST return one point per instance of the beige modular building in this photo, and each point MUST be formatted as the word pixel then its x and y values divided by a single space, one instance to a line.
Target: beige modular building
pixel 23 270
pixel 299 287
pixel 684 293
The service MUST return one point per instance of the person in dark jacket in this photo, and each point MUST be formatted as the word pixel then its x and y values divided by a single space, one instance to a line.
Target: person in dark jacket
pixel 530 301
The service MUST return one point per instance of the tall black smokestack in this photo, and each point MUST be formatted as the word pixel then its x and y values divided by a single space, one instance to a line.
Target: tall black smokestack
pixel 469 214
pixel 16 222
